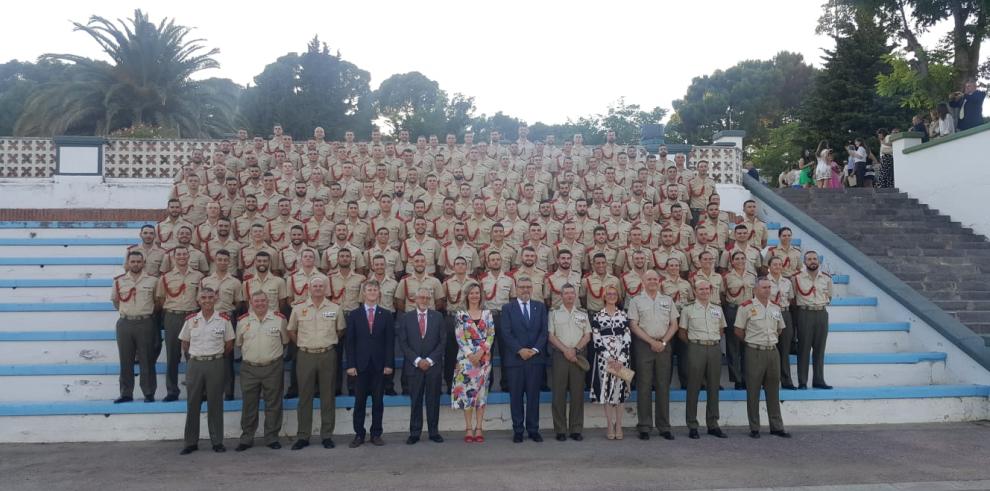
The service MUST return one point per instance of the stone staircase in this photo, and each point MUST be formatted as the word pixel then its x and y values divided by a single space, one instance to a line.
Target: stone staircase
pixel 944 261
pixel 58 357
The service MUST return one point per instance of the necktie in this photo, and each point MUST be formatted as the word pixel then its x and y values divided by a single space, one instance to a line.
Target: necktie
pixel 962 109
pixel 422 324
pixel 526 310
pixel 371 319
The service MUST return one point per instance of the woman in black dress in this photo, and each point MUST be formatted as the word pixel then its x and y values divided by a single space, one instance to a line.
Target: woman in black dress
pixel 611 339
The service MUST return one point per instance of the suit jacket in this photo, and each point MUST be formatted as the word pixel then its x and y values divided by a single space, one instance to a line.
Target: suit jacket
pixel 429 346
pixel 370 349
pixel 517 333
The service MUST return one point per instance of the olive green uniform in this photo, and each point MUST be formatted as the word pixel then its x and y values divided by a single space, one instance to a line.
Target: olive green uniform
pixel 762 324
pixel 204 375
pixel 704 325
pixel 567 380
pixel 653 316
pixel 262 342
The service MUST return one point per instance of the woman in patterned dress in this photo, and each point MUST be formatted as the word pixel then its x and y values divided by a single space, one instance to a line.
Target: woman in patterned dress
pixel 611 338
pixel 475 333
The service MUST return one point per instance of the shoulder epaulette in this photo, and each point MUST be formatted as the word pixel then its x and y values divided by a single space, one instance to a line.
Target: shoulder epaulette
pixel 746 303
pixel 300 302
pixel 224 316
pixel 119 276
pixel 279 314
pixel 242 316
pixel 587 275
pixel 190 316
pixel 771 249
pixel 248 277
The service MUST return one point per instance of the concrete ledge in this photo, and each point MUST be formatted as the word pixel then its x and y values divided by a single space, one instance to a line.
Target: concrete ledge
pixel 934 142
pixel 58 283
pixel 949 327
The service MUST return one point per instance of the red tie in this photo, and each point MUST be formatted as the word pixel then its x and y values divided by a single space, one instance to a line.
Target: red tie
pixel 371 319
pixel 422 324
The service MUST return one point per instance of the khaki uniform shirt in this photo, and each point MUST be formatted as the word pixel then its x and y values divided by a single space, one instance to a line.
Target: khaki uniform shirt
pixel 452 251
pixel 317 326
pixel 696 250
pixel 683 237
pixel 428 246
pixel 392 260
pixel 289 257
pixel 556 281
pixel 346 290
pixel 632 284
pixel 278 231
pixel 790 256
pixel 660 257
pixel 569 326
pixel 754 259
pixel 678 289
pixel 204 233
pixel 230 245
pixel 515 231
pixel 618 231
pixel 762 323
pixel 268 204
pixel 739 288
pixel 781 291
pixel 611 256
pixel 653 314
pixel 453 290
pixel 298 283
pixel 479 231
pixel 319 233
pixel 194 207
pixel 177 291
pixel 538 277
pixel 624 257
pixel 197 261
pixel 496 289
pixel 328 261
pixel 396 229
pixel 543 255
pixel 135 296
pixel 715 279
pixel 229 291
pixel 703 322
pixel 700 191
pixel 592 290
pixel 507 253
pixel 243 224
pixel 166 232
pixel 261 339
pixel 815 292
pixel 153 257
pixel 272 286
pixel 387 287
pixel 250 251
pixel 757 231
pixel 206 337
pixel 410 284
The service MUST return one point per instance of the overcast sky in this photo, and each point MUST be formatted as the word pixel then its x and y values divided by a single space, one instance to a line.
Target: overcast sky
pixel 539 61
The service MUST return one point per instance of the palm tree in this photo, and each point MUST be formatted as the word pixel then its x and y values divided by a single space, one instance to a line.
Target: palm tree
pixel 146 81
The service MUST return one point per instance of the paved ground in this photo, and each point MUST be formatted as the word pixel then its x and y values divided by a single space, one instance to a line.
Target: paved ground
pixel 922 457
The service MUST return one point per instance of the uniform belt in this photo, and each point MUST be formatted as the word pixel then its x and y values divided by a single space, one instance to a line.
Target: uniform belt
pixel 785 309
pixel 264 364
pixel 206 358
pixel 760 347
pixel 315 350
pixel 703 343
pixel 811 307
pixel 179 312
pixel 134 317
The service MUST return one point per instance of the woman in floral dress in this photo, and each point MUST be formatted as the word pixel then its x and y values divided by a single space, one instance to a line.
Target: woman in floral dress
pixel 611 338
pixel 475 333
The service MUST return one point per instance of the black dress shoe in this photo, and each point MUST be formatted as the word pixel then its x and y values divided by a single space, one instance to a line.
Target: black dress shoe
pixel 754 434
pixel 802 387
pixel 390 392
pixel 436 438
pixel 536 437
pixel 219 448
pixel 781 433
pixel 377 441
pixel 188 450
pixel 149 398
pixel 740 386
pixel 561 437
pixel 822 386
pixel 644 435
pixel 576 437
pixel 169 398
pixel 123 399
pixel 228 398
pixel 517 438
pixel 242 447
pixel 274 445
pixel 666 435
pixel 412 440
pixel 300 444
pixel 717 433
pixel 693 434
pixel 291 395
pixel 788 387
pixel 328 443
pixel 356 442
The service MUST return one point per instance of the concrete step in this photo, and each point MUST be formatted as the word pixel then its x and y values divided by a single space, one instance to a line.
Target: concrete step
pixel 869 337
pixel 78 294
pixel 57 321
pixel 67 233
pixel 103 267
pixel 76 250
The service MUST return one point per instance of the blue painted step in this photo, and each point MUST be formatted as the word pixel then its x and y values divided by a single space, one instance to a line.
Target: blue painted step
pixel 72 241
pixel 63 261
pixel 58 283
pixel 73 224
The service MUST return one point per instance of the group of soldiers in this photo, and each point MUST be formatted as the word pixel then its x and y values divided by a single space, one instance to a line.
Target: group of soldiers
pixel 269 229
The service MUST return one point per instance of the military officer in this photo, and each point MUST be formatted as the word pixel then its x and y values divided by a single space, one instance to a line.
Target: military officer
pixel 653 320
pixel 261 336
pixel 570 332
pixel 177 293
pixel 813 291
pixel 702 325
pixel 134 296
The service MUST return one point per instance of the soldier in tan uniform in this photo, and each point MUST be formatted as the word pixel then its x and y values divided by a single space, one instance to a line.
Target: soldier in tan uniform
pixel 782 294
pixel 319 227
pixel 498 244
pixel 702 326
pixel 741 243
pixel 315 326
pixel 653 320
pixel 596 282
pixel 479 226
pixel 700 190
pixel 535 242
pixel 408 286
pixel 570 332
pixel 561 276
pixel 632 280
pixel 789 254
pixel 388 220
pixel 244 223
pixel 683 233
pixel 263 280
pixel 134 296
pixel 205 231
pixel 393 263
pixel 223 241
pixel 387 284
pixel 177 291
pixel 197 260
pixel 813 292
pixel 668 250
pixel 758 324
pixel 342 236
pixel 599 246
pixel 279 227
pixel 253 249
pixel 165 230
pixel 345 284
pixel 528 268
pixel 758 233
pixel 298 281
pixel 706 271
pixel 680 290
pixel 711 224
pixel 739 284
pixel 623 259
pixel 229 298
pixel 459 247
pixel 153 254
pixel 420 243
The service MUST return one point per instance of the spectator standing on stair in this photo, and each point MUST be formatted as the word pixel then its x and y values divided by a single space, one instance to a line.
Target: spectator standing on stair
pixel 822 172
pixel 859 153
pixel 885 173
pixel 813 292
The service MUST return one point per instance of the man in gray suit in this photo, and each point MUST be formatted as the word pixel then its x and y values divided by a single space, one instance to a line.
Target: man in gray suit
pixel 421 339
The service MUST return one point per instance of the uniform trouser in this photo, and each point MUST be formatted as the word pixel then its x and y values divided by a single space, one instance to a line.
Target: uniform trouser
pixel 763 370
pixel 812 334
pixel 369 382
pixel 424 389
pixel 680 353
pixel 173 353
pixel 256 383
pixel 313 369
pixel 228 364
pixel 704 365
pixel 784 348
pixel 567 381
pixel 204 376
pixel 733 346
pixel 652 367
pixel 339 349
pixel 503 378
pixel 136 338
pixel 450 353
pixel 156 339
pixel 291 357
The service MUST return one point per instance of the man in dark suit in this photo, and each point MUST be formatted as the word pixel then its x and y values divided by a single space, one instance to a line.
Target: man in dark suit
pixel 525 332
pixel 422 341
pixel 970 105
pixel 370 349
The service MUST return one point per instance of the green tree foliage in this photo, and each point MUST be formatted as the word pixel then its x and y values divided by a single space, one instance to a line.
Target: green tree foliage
pixel 18 81
pixel 781 150
pixel 910 89
pixel 146 81
pixel 754 95
pixel 316 88
pixel 411 101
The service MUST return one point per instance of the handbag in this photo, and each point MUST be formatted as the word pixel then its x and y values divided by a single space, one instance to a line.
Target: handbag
pixel 624 373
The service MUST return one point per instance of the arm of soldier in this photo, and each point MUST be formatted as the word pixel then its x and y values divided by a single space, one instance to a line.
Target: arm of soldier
pixel 742 316
pixel 828 291
pixel 160 292
pixel 184 337
pixel 400 300
pixel 113 295
pixel 682 333
pixel 586 337
pixel 228 337
pixel 292 326
pixel 554 340
pixel 672 326
pixel 283 296
pixel 636 329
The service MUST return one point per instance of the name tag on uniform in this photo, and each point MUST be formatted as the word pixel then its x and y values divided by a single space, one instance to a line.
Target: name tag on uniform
pixel 665 306
pixel 274 331
pixel 330 315
pixel 715 312
pixel 218 331
pixel 753 312
pixel 581 316
pixel 775 316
